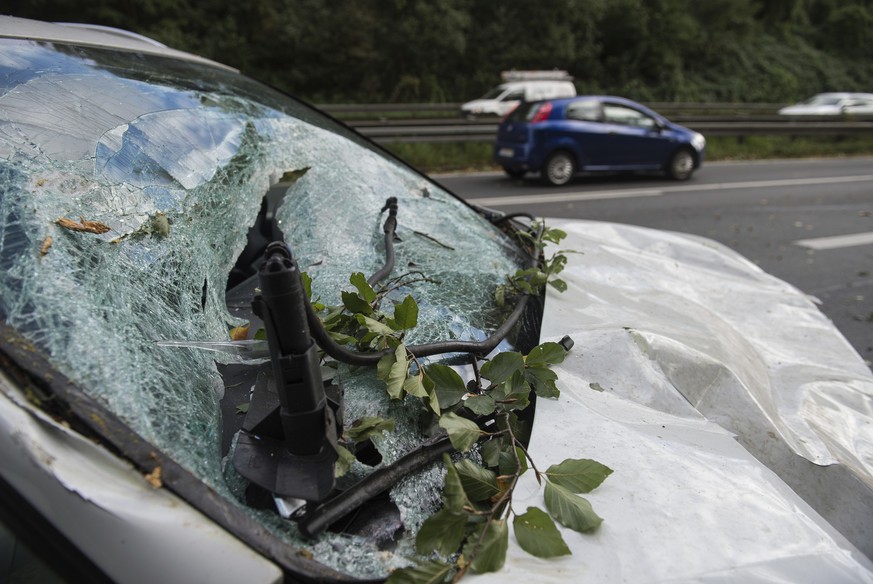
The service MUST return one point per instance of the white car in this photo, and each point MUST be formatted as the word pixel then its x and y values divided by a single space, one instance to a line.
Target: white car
pixel 152 206
pixel 832 104
pixel 518 87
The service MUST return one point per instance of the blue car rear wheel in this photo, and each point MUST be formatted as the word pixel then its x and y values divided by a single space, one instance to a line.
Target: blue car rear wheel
pixel 559 168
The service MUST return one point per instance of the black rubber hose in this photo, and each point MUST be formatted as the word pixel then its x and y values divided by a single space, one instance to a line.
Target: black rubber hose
pixel 379 480
pixel 390 227
pixel 509 216
pixel 480 348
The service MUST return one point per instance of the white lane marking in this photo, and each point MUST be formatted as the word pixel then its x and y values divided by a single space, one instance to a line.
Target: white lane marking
pixel 528 199
pixel 562 197
pixel 836 241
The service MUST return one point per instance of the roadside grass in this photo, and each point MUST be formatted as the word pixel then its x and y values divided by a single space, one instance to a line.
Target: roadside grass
pixel 476 156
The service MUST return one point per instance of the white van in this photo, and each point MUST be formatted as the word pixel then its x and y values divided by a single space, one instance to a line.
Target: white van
pixel 520 86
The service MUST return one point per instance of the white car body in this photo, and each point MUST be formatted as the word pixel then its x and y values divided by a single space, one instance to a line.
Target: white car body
pixel 505 97
pixel 832 104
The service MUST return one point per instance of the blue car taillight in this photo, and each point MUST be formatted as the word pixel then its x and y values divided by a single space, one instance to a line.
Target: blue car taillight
pixel 542 113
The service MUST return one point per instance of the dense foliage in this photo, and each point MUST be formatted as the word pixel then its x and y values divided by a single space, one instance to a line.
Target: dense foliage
pixel 363 51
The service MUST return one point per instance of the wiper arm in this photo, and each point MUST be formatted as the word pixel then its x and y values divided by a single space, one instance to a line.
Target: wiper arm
pixel 321 517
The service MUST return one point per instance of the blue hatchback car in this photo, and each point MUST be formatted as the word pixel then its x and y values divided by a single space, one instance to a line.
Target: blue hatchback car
pixel 561 137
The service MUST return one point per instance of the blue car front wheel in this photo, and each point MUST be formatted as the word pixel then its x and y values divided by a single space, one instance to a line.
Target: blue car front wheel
pixel 681 165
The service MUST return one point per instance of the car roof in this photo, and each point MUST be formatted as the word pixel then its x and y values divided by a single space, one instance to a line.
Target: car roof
pixel 612 98
pixel 93 35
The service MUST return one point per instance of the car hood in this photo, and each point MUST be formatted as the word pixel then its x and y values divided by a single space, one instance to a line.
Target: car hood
pixel 717 393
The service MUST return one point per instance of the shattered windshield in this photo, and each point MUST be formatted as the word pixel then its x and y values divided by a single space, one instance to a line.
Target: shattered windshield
pixel 128 185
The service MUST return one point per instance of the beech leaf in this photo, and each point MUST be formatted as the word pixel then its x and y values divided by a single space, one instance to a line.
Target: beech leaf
pixel 462 432
pixel 442 532
pixel 546 354
pixel 480 484
pixel 367 427
pixel 490 554
pixel 448 384
pixel 431 572
pixel 454 497
pixel 570 510
pixel 502 366
pixel 578 475
pixel 359 281
pixel 406 313
pixel 538 535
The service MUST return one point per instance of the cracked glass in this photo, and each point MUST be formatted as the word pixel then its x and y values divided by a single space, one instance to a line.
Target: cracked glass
pixel 128 184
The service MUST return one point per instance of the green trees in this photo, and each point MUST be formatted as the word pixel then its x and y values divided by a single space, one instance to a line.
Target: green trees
pixel 453 50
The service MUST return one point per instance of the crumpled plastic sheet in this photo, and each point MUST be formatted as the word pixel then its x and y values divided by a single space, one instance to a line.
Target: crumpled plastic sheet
pixel 709 386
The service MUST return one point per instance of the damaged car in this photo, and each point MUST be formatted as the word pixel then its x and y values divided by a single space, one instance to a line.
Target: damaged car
pixel 239 342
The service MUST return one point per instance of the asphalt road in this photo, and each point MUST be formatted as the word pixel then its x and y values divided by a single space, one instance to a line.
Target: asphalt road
pixel 809 222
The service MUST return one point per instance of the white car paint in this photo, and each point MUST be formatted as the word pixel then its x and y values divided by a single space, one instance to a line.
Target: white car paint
pixel 832 104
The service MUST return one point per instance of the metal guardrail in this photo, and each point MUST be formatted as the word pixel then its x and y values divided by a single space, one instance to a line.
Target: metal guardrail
pixel 443 122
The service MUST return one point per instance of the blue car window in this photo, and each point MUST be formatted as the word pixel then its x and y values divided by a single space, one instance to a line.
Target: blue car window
pixel 616 114
pixel 587 111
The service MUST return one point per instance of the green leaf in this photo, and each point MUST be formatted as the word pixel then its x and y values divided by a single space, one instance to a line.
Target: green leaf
pixel 538 535
pixel 554 235
pixel 578 475
pixel 342 339
pixel 508 463
pixel 242 408
pixel 480 484
pixel 364 289
pixel 481 405
pixel 570 510
pixel 367 427
pixel 491 452
pixel 490 554
pixel 383 367
pixel 406 313
pixel 355 304
pixel 454 497
pixel 502 366
pixel 546 354
pixel 543 381
pixel 430 572
pixel 415 386
pixel 374 326
pixel 306 280
pixel 433 402
pixel 462 432
pixel 558 284
pixel 442 532
pixel 260 334
pixel 392 370
pixel 344 462
pixel 448 384
pixel 515 392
